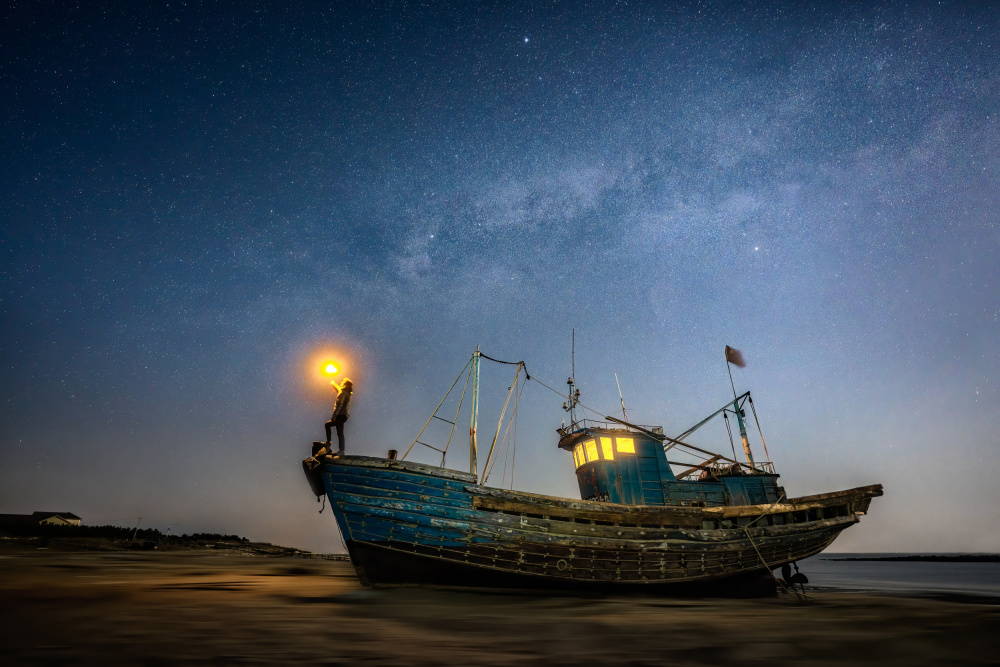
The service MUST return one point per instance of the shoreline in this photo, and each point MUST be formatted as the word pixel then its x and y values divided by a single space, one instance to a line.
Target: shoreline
pixel 922 558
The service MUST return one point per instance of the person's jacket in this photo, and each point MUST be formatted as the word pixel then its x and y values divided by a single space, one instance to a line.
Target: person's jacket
pixel 342 406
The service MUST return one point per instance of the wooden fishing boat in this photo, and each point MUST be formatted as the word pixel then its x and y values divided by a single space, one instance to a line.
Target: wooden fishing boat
pixel 718 527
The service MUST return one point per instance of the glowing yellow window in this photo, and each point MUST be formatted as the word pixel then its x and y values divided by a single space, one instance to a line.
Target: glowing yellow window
pixel 607 450
pixel 591 448
pixel 626 445
pixel 578 456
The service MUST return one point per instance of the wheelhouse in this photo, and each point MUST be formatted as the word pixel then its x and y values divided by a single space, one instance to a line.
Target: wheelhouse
pixel 630 467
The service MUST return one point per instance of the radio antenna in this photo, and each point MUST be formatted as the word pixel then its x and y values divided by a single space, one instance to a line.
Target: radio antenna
pixel 574 394
pixel 621 398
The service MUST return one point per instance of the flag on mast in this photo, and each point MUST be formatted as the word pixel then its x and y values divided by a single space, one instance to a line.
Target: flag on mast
pixel 734 356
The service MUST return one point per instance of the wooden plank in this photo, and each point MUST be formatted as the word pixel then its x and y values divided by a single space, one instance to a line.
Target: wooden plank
pixel 537 499
pixel 398 475
pixel 406 485
pixel 802 504
pixel 652 515
pixel 409 466
pixel 462 501
pixel 590 566
pixel 873 491
pixel 705 464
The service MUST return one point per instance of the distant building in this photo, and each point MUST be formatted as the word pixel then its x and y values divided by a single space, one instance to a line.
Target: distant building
pixel 56 518
pixel 39 519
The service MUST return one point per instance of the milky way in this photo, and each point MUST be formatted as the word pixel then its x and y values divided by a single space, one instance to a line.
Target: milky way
pixel 197 198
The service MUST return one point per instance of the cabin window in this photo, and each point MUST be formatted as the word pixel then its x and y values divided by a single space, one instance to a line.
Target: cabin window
pixel 591 448
pixel 607 449
pixel 626 445
pixel 578 456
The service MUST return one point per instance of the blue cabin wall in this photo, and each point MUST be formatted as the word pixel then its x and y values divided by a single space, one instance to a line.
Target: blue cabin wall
pixel 740 490
pixel 712 494
pixel 645 478
pixel 629 479
pixel 753 489
pixel 643 474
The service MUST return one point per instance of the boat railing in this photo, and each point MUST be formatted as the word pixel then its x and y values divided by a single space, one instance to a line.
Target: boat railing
pixel 584 424
pixel 759 467
pixel 723 468
pixel 765 467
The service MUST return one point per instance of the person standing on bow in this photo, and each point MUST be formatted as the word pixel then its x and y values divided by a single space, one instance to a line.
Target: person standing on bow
pixel 341 411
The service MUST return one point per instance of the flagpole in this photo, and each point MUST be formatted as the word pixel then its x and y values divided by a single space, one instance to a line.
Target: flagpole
pixel 739 413
pixel 730 369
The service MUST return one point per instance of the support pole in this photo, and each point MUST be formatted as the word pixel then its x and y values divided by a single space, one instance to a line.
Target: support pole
pixel 743 433
pixel 474 419
pixel 739 416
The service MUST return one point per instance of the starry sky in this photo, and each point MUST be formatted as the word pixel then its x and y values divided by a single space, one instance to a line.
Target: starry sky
pixel 203 200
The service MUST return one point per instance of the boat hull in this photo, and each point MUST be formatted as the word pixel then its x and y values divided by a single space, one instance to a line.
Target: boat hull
pixel 407 523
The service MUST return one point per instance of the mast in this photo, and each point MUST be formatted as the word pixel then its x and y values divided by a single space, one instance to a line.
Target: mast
pixel 743 432
pixel 574 393
pixel 474 419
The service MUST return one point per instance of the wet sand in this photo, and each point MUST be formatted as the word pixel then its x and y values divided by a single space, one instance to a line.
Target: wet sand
pixel 169 608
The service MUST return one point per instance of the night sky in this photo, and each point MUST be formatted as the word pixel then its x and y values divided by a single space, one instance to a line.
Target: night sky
pixel 201 201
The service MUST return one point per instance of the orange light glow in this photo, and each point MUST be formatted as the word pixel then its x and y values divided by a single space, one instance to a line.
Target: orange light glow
pixel 327 366
pixel 322 366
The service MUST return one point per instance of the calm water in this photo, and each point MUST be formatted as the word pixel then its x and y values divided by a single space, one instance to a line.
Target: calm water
pixel 981 579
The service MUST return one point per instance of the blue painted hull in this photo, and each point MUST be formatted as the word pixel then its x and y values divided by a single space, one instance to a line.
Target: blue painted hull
pixel 408 523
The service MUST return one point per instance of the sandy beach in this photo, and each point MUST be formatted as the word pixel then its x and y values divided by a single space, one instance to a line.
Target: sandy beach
pixel 178 607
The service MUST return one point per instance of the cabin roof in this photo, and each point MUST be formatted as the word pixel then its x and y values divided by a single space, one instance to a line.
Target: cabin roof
pixel 46 515
pixel 570 440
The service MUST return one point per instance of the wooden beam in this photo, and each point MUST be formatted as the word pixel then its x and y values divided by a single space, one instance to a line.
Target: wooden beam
pixel 674 441
pixel 804 503
pixel 647 514
pixel 704 465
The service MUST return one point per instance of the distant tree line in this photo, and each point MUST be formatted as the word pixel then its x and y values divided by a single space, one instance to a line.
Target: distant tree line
pixel 115 533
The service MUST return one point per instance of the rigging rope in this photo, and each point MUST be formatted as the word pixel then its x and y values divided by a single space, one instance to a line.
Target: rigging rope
pixel 746 529
pixel 460 373
pixel 461 400
pixel 513 449
pixel 725 417
pixel 597 414
pixel 528 377
pixel 561 395
pixel 509 363
pixel 509 439
pixel 761 433
pixel 510 392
